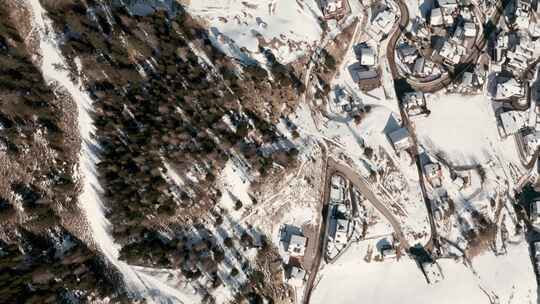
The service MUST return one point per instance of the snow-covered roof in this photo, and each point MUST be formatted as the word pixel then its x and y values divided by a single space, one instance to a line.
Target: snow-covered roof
pixel 513 121
pixel 432 170
pixel 436 17
pixel 448 3
pixel 367 56
pixel 336 193
pixel 534 30
pixel 509 88
pixel 467 79
pixel 298 273
pixel 535 211
pixel 400 139
pixel 470 29
pixel 297 245
pixel 449 52
pixel 383 21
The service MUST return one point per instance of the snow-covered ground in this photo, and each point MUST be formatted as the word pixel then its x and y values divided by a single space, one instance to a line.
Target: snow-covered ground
pixel 503 279
pixel 288 28
pixel 139 284
pixel 464 128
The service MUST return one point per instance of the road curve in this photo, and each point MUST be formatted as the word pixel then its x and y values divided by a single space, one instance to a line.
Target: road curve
pixel 359 182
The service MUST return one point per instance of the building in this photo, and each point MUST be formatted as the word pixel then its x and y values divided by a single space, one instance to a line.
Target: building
pixel 367 56
pixel 296 276
pixel 467 80
pixel 407 53
pixel 366 77
pixel 450 52
pixel 524 54
pixel 341 231
pixel 522 13
pixel 509 88
pixel 419 29
pixel 513 121
pixel 534 30
pixel 535 212
pixel 389 252
pixel 335 9
pixel 382 23
pixel 531 141
pixel 537 250
pixel 400 139
pixel 419 65
pixel 436 17
pixel 459 35
pixel 360 73
pixel 414 103
pixel 297 245
pixel 337 189
pixel 433 174
pixel 448 4
pixel 470 29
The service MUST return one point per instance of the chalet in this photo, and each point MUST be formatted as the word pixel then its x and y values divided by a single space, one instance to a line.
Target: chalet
pixel 513 121
pixel 296 276
pixel 467 80
pixel 534 30
pixel 433 174
pixel 297 245
pixel 535 212
pixel 470 29
pixel 342 228
pixel 537 249
pixel 448 4
pixel 389 252
pixel 509 88
pixel 400 139
pixel 414 103
pixel 450 52
pixel 335 9
pixel 436 17
pixel 337 189
pixel 407 53
pixel 367 56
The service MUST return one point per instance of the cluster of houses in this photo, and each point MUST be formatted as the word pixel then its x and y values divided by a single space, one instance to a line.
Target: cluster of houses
pixel 514 60
pixel 365 71
pixel 294 243
pixel 413 63
pixel 449 30
pixel 339 219
pixel 515 51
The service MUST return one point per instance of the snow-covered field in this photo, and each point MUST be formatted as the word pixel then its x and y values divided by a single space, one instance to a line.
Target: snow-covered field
pixel 505 279
pixel 289 28
pixel 464 129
